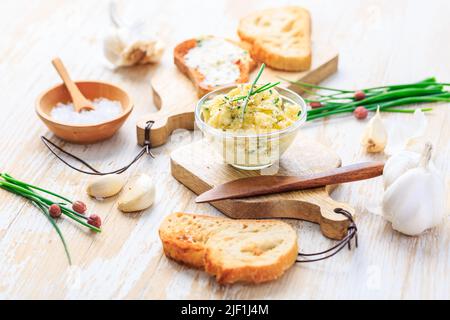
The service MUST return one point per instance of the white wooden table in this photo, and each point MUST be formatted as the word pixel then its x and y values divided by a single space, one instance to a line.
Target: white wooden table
pixel 379 42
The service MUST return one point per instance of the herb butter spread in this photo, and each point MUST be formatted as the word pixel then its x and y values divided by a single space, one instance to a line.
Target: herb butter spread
pixel 217 60
pixel 265 112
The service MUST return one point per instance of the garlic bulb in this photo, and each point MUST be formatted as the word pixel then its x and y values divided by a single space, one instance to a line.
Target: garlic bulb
pixel 105 186
pixel 139 194
pixel 128 46
pixel 416 200
pixel 398 164
pixel 375 135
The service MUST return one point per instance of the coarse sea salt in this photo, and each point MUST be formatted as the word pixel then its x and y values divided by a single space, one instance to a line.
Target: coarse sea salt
pixel 104 110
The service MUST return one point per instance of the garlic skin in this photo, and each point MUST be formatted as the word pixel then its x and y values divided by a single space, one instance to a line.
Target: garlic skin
pixel 417 140
pixel 409 135
pixel 375 135
pixel 416 200
pixel 139 194
pixel 128 46
pixel 105 186
pixel 398 164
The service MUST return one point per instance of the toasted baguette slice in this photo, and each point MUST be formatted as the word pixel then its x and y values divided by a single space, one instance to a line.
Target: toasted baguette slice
pixel 251 251
pixel 184 236
pixel 245 65
pixel 280 37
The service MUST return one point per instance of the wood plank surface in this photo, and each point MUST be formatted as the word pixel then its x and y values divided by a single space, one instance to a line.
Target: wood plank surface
pixel 379 42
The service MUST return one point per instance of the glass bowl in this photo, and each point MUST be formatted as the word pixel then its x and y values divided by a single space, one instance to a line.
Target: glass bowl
pixel 250 151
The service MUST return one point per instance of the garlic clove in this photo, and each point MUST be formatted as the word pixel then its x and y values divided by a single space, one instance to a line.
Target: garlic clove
pixel 154 52
pixel 113 46
pixel 105 186
pixel 398 164
pixel 406 206
pixel 130 46
pixel 404 215
pixel 375 135
pixel 132 55
pixel 139 194
pixel 416 201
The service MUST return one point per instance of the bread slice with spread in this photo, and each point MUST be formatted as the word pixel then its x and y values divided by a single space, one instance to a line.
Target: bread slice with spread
pixel 210 62
pixel 280 37
pixel 251 251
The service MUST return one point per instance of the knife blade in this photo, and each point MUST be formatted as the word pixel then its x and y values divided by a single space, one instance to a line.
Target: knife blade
pixel 262 185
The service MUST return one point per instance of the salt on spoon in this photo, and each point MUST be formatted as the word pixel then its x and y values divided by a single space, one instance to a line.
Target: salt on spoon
pixel 79 100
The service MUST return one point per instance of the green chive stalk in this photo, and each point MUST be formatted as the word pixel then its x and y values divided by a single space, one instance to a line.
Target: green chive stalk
pixel 250 92
pixel 389 97
pixel 43 203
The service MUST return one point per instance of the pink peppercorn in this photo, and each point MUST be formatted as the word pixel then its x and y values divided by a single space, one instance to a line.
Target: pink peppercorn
pixel 95 220
pixel 360 113
pixel 359 95
pixel 315 104
pixel 79 206
pixel 55 211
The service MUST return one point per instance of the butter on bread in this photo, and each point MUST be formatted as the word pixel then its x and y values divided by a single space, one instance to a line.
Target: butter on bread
pixel 251 251
pixel 280 37
pixel 244 65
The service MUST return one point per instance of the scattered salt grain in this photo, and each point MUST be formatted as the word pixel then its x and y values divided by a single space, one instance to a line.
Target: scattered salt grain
pixel 104 110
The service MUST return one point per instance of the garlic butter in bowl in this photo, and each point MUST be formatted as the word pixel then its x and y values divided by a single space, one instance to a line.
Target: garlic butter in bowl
pixel 251 126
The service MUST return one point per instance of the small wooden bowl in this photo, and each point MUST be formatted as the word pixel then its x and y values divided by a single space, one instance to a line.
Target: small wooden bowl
pixel 83 133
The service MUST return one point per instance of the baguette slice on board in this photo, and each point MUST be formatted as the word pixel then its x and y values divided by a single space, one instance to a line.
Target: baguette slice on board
pixel 251 251
pixel 245 66
pixel 280 37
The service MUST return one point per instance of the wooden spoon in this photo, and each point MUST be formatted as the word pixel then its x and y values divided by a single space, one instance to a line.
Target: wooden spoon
pixel 79 101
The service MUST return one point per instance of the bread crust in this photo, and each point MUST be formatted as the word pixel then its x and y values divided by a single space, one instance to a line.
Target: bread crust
pixel 196 77
pixel 276 56
pixel 179 248
pixel 284 63
pixel 181 243
pixel 250 274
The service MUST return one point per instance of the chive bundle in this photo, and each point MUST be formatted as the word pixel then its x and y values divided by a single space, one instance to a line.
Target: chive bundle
pixel 388 98
pixel 48 206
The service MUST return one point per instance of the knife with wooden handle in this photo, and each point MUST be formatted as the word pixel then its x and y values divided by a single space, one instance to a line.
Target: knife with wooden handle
pixel 262 185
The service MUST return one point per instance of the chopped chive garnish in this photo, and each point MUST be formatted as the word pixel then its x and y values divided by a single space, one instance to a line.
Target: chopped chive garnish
pixel 250 92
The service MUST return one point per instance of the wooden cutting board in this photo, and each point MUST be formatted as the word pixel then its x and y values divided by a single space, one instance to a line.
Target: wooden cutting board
pixel 175 96
pixel 199 168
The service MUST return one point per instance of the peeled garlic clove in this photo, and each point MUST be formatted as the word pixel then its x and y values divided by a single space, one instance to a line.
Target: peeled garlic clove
pixel 139 194
pixel 375 135
pixel 105 186
pixel 398 164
